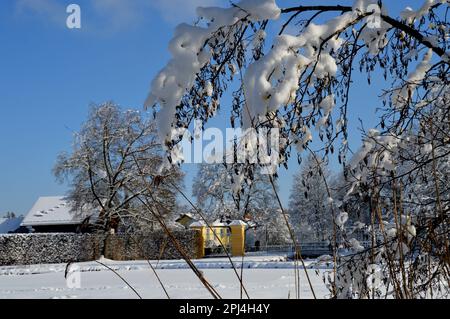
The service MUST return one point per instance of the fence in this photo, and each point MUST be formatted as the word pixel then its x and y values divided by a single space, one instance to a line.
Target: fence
pixel 308 249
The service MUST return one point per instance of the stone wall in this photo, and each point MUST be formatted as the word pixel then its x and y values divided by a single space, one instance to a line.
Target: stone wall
pixel 25 249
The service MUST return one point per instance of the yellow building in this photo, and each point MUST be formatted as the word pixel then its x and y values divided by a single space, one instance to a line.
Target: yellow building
pixel 220 235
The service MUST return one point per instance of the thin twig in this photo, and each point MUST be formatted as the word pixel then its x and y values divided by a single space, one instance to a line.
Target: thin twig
pixel 118 275
pixel 291 232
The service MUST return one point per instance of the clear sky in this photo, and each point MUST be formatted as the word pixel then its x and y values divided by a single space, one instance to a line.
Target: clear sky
pixel 50 74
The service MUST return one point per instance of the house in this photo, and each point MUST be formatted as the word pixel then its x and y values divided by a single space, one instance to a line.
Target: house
pixel 221 232
pixel 216 235
pixel 186 220
pixel 56 215
pixel 10 225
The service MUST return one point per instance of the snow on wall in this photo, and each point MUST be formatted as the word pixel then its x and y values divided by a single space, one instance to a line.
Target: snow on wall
pixel 26 249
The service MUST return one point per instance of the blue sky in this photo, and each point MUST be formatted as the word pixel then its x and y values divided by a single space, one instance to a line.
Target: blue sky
pixel 50 74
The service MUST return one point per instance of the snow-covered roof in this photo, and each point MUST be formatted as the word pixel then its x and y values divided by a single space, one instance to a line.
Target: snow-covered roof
pixel 54 210
pixel 237 223
pixel 198 224
pixel 183 216
pixel 219 223
pixel 9 224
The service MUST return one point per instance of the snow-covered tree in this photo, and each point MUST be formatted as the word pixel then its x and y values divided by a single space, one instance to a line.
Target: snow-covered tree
pixel 308 206
pixel 408 203
pixel 292 68
pixel 115 162
pixel 218 194
pixel 10 215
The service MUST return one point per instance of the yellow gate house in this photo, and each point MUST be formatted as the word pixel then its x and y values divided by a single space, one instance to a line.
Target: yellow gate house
pixel 219 235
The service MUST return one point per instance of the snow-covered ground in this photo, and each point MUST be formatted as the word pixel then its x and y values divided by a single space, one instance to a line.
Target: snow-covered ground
pixel 264 277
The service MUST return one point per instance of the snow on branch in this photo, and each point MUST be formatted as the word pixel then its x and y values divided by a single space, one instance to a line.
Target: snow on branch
pixel 190 53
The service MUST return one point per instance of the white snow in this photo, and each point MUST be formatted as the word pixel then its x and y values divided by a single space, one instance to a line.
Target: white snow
pixel 54 210
pixel 198 224
pixel 264 277
pixel 341 219
pixel 356 245
pixel 189 55
pixel 272 81
pixel 209 89
pixel 326 106
pixel 413 80
pixel 410 16
pixel 237 223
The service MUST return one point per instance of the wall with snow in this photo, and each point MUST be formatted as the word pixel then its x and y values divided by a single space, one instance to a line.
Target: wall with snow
pixel 25 249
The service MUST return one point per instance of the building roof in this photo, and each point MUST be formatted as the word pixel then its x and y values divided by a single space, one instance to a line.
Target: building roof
pixel 184 217
pixel 238 223
pixel 55 210
pixel 186 220
pixel 9 224
pixel 222 223
pixel 219 223
pixel 198 224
